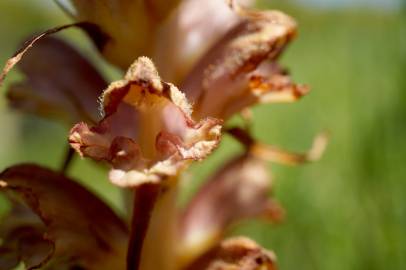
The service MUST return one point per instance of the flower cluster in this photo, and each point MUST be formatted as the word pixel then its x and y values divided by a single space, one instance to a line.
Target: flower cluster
pixel 191 65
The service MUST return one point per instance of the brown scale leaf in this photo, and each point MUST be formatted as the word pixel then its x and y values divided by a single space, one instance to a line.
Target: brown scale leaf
pixel 64 86
pixel 56 223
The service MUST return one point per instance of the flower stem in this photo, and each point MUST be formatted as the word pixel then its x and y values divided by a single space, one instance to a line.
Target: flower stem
pixel 70 153
pixel 153 231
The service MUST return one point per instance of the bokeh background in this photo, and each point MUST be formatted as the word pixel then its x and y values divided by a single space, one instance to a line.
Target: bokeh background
pixel 347 211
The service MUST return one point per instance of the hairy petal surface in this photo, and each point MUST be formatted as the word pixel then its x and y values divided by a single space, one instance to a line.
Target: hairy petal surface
pixel 238 253
pixel 57 224
pixel 237 191
pixel 235 73
pixel 131 25
pixel 60 83
pixel 147 131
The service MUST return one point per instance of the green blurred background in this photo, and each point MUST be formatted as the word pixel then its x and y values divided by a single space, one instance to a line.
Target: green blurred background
pixel 347 211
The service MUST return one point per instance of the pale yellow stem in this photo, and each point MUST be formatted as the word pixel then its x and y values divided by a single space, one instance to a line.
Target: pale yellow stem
pixel 155 248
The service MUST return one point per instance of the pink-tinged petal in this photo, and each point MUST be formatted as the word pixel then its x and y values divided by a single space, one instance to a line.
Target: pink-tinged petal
pixel 235 73
pixel 190 31
pixel 147 131
pixel 131 25
pixel 238 191
pixel 56 223
pixel 60 83
pixel 238 253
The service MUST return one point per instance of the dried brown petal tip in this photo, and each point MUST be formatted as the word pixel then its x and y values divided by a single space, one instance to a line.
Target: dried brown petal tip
pixel 270 84
pixel 147 131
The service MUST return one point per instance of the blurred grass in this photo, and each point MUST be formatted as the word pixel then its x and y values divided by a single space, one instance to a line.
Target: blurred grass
pixel 347 211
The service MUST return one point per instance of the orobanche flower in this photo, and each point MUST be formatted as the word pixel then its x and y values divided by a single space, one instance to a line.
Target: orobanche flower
pixel 191 65
pixel 147 131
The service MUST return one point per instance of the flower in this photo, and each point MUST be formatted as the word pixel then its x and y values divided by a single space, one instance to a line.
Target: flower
pixel 147 132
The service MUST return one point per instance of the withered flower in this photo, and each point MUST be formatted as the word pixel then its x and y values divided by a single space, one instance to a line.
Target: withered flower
pixel 223 57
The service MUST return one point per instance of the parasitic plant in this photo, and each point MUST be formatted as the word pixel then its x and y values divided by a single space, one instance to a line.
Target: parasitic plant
pixel 190 66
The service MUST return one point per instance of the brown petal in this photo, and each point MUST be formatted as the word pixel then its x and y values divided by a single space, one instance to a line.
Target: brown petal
pixel 55 222
pixel 147 130
pixel 237 191
pixel 130 24
pixel 238 253
pixel 11 62
pixel 60 83
pixel 223 82
pixel 189 32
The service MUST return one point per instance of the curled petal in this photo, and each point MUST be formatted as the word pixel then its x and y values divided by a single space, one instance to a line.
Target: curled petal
pixel 147 131
pixel 238 253
pixel 57 223
pixel 237 191
pixel 224 81
pixel 59 83
pixel 131 25
pixel 270 84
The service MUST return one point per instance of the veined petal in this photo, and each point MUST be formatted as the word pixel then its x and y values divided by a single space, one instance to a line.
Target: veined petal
pixel 238 253
pixel 60 83
pixel 130 24
pixel 58 224
pixel 238 191
pixel 190 31
pixel 235 74
pixel 147 131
